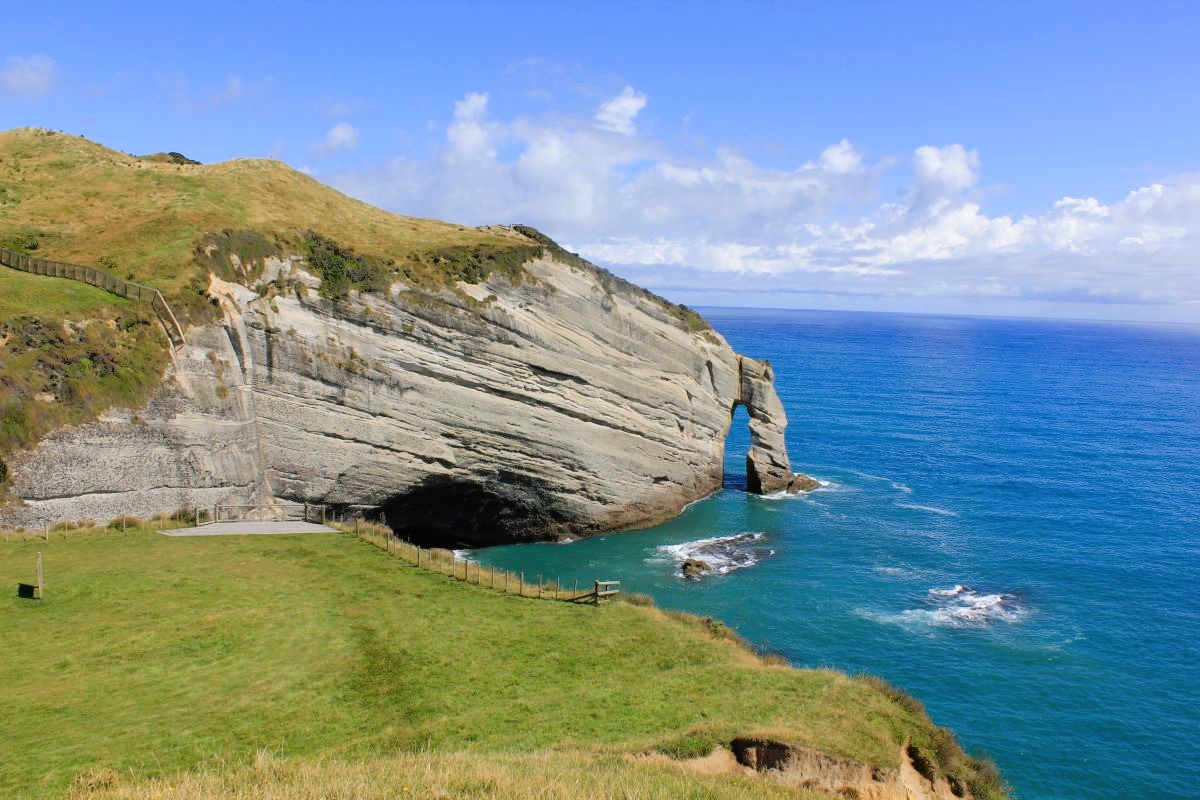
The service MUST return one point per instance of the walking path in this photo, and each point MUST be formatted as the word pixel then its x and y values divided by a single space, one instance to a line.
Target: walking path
pixel 250 528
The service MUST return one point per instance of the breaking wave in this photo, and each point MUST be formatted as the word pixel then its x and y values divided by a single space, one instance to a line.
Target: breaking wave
pixel 723 554
pixel 945 512
pixel 958 606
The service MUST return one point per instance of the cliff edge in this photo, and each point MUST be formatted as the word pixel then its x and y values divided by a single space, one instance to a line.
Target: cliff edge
pixel 540 398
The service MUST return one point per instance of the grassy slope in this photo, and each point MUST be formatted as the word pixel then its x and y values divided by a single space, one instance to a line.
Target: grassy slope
pixel 143 219
pixel 67 352
pixel 85 203
pixel 154 654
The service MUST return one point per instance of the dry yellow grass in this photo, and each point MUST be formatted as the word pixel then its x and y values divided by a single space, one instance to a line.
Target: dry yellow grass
pixel 559 775
pixel 85 203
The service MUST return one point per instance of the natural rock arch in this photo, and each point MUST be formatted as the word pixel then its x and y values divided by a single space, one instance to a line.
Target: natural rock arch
pixel 767 466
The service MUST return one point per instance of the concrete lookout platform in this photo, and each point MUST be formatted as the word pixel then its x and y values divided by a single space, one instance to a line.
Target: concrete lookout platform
pixel 251 529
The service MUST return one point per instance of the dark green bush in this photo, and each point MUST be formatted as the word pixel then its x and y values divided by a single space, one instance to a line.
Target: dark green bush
pixel 342 269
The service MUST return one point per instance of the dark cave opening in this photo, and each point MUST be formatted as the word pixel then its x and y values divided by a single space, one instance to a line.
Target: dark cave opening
pixel 445 511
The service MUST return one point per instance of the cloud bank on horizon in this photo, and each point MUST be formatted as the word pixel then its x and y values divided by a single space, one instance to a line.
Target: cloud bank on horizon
pixel 721 224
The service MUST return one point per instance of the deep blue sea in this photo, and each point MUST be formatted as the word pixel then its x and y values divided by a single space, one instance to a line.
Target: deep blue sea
pixel 1010 532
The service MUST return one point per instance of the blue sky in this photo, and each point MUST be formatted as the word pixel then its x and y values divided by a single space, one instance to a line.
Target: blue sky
pixel 1000 158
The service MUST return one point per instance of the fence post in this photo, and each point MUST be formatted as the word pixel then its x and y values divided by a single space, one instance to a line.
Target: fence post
pixel 521 584
pixel 506 574
pixel 39 575
pixel 539 586
pixel 575 591
pixel 557 587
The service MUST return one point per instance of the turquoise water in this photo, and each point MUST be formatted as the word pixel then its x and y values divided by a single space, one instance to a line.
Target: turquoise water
pixel 1011 532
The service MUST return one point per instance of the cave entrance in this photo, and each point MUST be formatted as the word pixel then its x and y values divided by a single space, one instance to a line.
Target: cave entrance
pixel 737 446
pixel 445 511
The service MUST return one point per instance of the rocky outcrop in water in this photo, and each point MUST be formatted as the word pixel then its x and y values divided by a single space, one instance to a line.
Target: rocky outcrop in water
pixel 565 404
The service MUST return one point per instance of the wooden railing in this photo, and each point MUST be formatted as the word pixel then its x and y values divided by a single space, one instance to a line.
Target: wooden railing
pixel 102 280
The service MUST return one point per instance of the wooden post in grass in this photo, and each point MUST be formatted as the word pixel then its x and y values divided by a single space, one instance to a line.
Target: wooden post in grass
pixel 521 584
pixel 575 591
pixel 39 576
pixel 557 587
pixel 506 574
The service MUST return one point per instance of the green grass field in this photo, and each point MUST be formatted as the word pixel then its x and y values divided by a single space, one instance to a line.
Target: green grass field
pixel 25 293
pixel 152 655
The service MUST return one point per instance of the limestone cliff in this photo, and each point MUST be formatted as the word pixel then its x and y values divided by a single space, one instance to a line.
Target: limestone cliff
pixel 566 403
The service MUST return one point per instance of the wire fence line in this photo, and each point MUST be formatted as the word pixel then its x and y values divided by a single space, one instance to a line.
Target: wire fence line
pixel 447 562
pixel 102 280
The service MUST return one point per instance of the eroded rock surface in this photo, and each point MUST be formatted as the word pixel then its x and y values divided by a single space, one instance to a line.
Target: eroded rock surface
pixel 567 404
pixel 805 767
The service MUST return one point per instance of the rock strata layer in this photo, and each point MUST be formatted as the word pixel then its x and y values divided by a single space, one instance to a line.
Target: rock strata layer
pixel 564 404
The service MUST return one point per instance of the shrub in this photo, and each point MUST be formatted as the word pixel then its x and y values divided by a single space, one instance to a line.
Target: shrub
pixel 342 269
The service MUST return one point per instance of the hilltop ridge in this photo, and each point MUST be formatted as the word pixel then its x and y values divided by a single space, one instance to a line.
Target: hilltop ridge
pixel 513 387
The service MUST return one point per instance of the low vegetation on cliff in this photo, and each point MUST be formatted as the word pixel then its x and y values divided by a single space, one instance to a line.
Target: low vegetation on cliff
pixel 152 656
pixel 166 221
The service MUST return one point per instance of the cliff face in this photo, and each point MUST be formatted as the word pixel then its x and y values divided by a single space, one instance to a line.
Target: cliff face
pixel 566 404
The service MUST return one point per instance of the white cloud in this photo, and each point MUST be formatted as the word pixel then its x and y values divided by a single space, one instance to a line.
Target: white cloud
pixel 944 171
pixel 725 223
pixel 27 77
pixel 617 114
pixel 342 136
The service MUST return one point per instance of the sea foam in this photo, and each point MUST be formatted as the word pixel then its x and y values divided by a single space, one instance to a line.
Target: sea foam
pixel 958 606
pixel 723 553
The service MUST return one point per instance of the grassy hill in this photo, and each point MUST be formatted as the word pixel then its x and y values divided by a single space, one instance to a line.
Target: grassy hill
pixel 152 656
pixel 68 351
pixel 166 222
pixel 143 218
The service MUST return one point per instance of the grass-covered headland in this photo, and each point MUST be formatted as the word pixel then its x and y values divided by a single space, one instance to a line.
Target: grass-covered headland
pixel 320 666
pixel 69 351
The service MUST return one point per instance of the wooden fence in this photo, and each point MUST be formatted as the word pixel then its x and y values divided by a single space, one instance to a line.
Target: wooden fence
pixel 499 580
pixel 102 280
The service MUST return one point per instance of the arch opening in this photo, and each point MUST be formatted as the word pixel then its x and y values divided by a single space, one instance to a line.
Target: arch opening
pixel 737 446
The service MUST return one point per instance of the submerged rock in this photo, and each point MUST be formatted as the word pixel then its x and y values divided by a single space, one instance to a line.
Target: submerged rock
pixel 694 568
pixel 802 483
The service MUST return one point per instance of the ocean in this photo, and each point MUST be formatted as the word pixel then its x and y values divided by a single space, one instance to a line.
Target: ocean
pixel 1009 529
